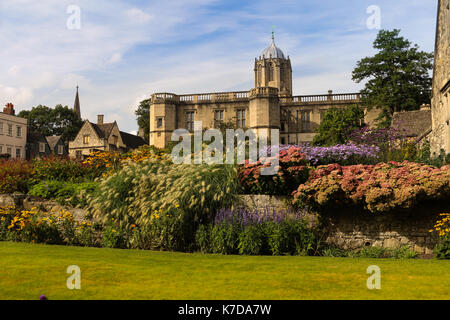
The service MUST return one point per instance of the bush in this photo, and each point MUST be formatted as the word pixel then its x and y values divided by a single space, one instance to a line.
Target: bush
pixel 44 227
pixel 131 195
pixel 14 176
pixel 292 171
pixel 256 233
pixel 442 227
pixel 60 169
pixel 375 188
pixel 442 250
pixel 74 194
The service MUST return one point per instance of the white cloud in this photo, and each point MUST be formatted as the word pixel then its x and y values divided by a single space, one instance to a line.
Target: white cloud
pixel 138 16
pixel 116 57
pixel 17 96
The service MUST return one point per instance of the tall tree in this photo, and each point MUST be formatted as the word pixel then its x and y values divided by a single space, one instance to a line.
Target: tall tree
pixel 143 117
pixel 398 75
pixel 337 125
pixel 59 121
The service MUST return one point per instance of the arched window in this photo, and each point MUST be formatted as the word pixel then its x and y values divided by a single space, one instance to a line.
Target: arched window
pixel 259 79
pixel 271 67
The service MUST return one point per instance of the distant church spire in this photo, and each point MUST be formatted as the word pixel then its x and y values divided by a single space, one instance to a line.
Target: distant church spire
pixel 76 106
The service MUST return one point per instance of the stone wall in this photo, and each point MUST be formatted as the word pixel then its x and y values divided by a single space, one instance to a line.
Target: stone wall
pixel 24 202
pixel 353 230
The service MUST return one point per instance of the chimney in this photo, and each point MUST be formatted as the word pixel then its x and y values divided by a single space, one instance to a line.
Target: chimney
pixel 100 119
pixel 9 109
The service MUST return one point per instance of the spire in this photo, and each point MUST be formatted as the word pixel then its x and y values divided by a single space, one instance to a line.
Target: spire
pixel 76 106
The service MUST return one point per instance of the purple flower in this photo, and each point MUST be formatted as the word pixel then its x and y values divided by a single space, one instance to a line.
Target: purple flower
pixel 43 297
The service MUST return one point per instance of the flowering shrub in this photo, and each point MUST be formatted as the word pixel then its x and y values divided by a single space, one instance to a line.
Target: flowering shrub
pixel 44 227
pixel 254 233
pixel 14 176
pixel 376 188
pixel 61 169
pixel 104 163
pixel 291 172
pixel 344 154
pixel 442 227
pixel 393 142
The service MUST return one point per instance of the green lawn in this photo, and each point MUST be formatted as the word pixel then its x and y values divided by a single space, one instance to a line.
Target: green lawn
pixel 29 270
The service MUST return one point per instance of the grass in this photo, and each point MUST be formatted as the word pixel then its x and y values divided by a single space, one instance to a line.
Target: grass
pixel 29 270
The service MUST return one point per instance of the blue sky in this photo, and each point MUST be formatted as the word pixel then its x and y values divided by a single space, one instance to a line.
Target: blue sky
pixel 127 50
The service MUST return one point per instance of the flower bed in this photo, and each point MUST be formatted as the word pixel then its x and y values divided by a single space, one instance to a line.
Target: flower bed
pixel 291 172
pixel 344 154
pixel 376 188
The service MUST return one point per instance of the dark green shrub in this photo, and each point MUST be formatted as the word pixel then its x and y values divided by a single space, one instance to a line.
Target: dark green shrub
pixel 251 240
pixel 442 249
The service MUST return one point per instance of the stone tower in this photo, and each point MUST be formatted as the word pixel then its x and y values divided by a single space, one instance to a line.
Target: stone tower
pixel 272 69
pixel 440 102
pixel 163 118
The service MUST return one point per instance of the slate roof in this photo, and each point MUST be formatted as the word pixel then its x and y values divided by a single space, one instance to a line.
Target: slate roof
pixel 416 122
pixel 132 141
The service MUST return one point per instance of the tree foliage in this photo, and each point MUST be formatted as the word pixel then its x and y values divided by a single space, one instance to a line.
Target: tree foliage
pixel 398 75
pixel 337 125
pixel 59 121
pixel 143 117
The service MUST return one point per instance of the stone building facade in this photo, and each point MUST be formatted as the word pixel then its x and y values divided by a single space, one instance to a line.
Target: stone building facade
pixel 269 105
pixel 13 133
pixel 440 102
pixel 102 136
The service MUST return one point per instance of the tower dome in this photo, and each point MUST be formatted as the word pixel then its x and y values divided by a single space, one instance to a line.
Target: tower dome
pixel 272 51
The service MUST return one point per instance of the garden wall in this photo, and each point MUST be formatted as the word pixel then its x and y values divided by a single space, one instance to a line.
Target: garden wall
pixel 352 230
pixel 25 202
pixel 344 229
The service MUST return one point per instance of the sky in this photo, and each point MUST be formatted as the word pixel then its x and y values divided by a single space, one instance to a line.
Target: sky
pixel 120 52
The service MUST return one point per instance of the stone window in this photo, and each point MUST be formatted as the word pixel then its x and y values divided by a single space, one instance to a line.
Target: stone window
pixel 190 120
pixel 60 149
pixel 9 151
pixel 1 149
pixel 259 80
pixel 305 121
pixel 41 147
pixel 19 131
pixel 218 118
pixel 78 154
pixel 241 118
pixel 10 130
pixel 1 127
pixel 159 122
pixel 86 139
pixel 18 154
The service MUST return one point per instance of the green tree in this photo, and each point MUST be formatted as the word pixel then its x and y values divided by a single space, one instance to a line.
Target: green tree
pixel 59 121
pixel 337 125
pixel 143 117
pixel 398 75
